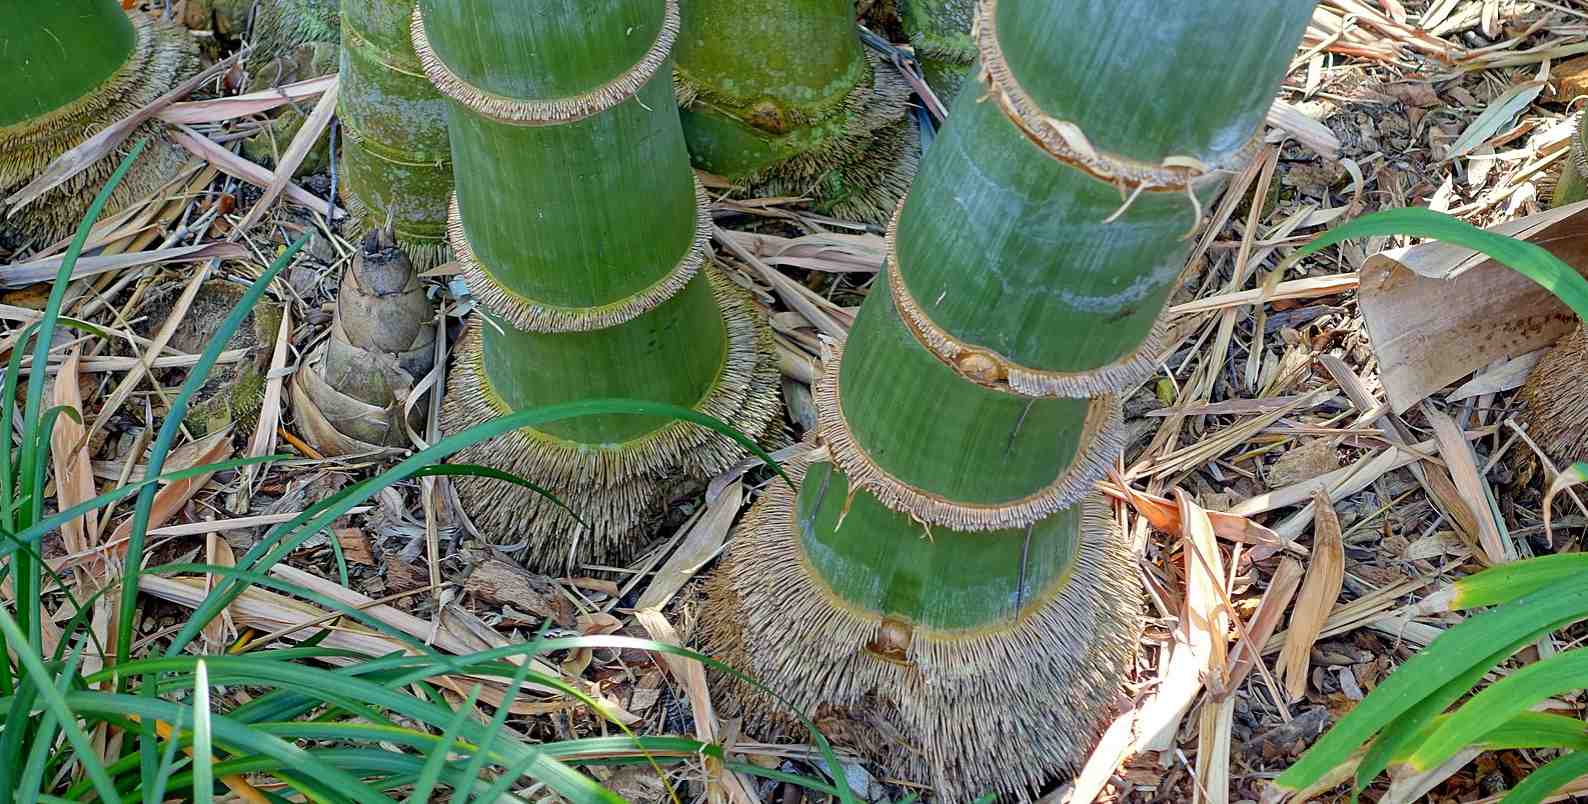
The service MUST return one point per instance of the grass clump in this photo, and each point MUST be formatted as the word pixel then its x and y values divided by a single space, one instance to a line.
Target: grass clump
pixel 91 713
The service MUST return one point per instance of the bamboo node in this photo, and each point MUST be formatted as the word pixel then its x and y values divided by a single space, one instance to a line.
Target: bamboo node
pixel 892 642
pixel 1100 442
pixel 981 367
pixel 545 111
pixel 532 315
pixel 989 369
pixel 1066 141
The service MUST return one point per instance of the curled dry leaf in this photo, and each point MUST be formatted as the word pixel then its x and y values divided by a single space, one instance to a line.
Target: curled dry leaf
pixel 213 448
pixel 1199 645
pixel 1320 590
pixel 1575 475
pixel 1164 516
pixel 74 474
pixel 1281 589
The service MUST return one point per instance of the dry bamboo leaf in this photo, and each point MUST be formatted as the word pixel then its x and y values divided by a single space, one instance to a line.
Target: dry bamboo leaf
pixel 817 310
pixel 1213 752
pixel 237 167
pixel 222 109
pixel 828 252
pixel 223 629
pixel 109 365
pixel 1437 312
pixel 313 126
pixel 23 274
pixel 169 500
pixel 271 612
pixel 1307 131
pixel 1199 646
pixel 1320 590
pixel 1407 787
pixel 264 438
pixel 1474 495
pixel 1495 379
pixel 1270 610
pixel 74 472
pixel 1341 483
pixel 1246 407
pixel 700 546
pixel 1104 760
pixel 721 784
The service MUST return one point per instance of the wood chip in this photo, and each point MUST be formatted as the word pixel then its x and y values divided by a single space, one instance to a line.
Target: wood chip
pixel 1305 462
pixel 355 546
pixel 495 579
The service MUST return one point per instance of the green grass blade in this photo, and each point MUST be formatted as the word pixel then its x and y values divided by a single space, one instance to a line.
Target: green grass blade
pixel 1547 779
pixel 493 732
pixel 1465 646
pixel 32 781
pixel 26 578
pixel 1501 701
pixel 287 537
pixel 560 778
pixel 155 793
pixel 8 390
pixel 1401 737
pixel 12 747
pixel 1527 259
pixel 806 782
pixel 568 643
pixel 330 782
pixel 476 470
pixel 438 756
pixel 203 756
pixel 1507 582
pixel 55 701
pixel 196 377
pixel 1530 730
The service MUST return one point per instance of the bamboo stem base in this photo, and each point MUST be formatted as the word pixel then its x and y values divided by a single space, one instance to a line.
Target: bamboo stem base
pixel 614 488
pixel 997 709
pixel 862 170
pixel 165 54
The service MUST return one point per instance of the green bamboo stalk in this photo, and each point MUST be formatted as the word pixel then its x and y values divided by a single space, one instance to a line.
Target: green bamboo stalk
pixel 396 162
pixel 945 564
pixel 59 93
pixel 281 26
pixel 939 31
pixel 582 235
pixel 780 97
